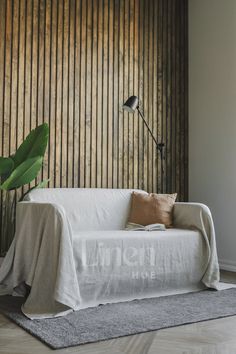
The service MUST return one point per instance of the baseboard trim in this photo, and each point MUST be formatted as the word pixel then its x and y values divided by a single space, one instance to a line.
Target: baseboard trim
pixel 227 265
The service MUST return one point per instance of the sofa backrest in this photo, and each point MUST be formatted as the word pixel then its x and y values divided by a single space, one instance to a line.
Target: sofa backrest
pixel 88 208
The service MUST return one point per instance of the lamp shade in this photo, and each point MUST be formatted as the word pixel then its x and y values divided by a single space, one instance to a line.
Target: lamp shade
pixel 131 104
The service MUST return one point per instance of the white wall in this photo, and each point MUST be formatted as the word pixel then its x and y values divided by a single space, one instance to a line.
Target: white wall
pixel 212 117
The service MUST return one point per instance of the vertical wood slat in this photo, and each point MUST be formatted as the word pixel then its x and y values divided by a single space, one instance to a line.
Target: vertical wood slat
pixel 150 101
pixel 21 79
pixel 146 136
pixel 154 97
pixel 110 102
pixel 65 94
pixel 88 93
pixel 47 76
pixel 136 89
pixel 82 93
pixel 126 116
pixel 168 95
pixel 7 104
pixel 164 90
pixel 177 98
pixel 121 96
pixel 116 104
pixel 72 63
pixel 183 45
pixel 53 94
pixel 34 67
pixel 2 98
pixel 94 113
pixel 141 94
pixel 105 48
pixel 27 71
pixel 173 96
pixel 59 97
pixel 6 76
pixel 131 90
pixel 76 115
pixel 71 94
pixel 186 80
pixel 99 93
pixel 160 77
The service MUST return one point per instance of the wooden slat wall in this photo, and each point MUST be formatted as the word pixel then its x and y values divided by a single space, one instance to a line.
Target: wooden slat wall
pixel 72 63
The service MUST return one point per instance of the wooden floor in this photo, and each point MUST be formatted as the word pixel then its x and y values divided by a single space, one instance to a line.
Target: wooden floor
pixel 211 337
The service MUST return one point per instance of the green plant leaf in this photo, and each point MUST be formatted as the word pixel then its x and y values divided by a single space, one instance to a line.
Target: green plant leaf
pixel 23 174
pixel 42 184
pixel 34 145
pixel 6 165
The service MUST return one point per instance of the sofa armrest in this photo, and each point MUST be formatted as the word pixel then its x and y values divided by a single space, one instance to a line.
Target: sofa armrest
pixel 35 212
pixel 25 207
pixel 37 226
pixel 198 216
pixel 42 257
pixel 188 214
pixel 29 217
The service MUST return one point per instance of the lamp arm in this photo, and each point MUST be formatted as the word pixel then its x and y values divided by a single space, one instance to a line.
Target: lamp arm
pixel 159 146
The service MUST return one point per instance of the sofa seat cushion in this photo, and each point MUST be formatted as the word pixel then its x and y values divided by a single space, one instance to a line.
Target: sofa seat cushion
pixel 124 265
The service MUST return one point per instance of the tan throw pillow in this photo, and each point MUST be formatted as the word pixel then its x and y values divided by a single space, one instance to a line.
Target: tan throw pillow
pixel 152 208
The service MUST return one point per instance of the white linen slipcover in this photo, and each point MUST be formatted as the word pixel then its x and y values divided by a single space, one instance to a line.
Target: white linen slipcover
pixel 71 249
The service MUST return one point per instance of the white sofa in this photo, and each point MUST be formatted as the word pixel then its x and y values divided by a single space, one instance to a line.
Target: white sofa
pixel 71 249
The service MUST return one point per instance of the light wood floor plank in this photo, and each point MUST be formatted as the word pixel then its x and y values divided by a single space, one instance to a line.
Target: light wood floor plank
pixel 210 337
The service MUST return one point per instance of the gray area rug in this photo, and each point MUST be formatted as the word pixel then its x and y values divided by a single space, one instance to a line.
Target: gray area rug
pixel 122 319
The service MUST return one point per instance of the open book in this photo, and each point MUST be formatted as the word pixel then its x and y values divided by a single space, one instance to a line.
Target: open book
pixel 152 227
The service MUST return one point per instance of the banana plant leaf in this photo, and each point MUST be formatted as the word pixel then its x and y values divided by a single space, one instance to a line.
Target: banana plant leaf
pixel 6 165
pixel 42 184
pixel 23 174
pixel 34 145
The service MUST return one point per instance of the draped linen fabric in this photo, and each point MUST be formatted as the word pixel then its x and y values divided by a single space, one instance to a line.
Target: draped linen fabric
pixel 70 247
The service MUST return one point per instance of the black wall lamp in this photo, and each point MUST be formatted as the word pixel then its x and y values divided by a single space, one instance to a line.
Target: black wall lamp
pixel 130 106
